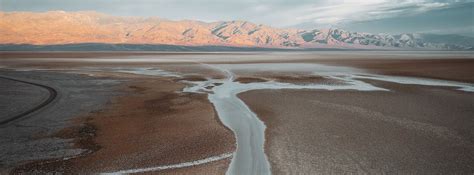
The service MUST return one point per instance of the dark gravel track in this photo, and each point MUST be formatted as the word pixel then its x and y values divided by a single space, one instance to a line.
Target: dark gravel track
pixel 52 95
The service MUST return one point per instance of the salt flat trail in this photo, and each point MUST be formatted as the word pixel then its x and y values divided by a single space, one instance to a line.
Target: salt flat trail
pixel 249 130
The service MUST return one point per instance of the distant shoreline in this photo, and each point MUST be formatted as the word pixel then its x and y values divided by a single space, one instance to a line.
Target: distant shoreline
pixel 88 47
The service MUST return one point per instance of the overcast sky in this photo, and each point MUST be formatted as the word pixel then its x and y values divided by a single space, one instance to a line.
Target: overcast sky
pixel 375 16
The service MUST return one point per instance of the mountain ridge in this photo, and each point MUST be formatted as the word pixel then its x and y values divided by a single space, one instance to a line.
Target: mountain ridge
pixel 61 28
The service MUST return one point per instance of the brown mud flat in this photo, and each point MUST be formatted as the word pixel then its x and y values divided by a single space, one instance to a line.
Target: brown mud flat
pixel 304 79
pixel 294 79
pixel 446 69
pixel 192 78
pixel 83 134
pixel 409 130
pixel 153 125
pixel 250 80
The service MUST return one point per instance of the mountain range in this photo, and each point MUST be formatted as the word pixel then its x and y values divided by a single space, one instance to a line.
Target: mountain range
pixel 59 28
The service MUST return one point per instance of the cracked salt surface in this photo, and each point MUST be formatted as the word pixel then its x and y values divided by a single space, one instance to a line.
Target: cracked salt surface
pixel 146 71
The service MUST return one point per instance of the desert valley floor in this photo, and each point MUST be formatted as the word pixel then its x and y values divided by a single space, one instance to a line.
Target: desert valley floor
pixel 325 112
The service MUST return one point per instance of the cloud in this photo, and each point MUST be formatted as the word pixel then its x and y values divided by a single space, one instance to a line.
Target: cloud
pixel 357 11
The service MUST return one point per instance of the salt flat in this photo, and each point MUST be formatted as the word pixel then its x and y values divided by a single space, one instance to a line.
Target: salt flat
pixel 325 112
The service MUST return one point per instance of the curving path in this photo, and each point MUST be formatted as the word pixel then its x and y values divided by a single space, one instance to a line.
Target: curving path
pixel 52 95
